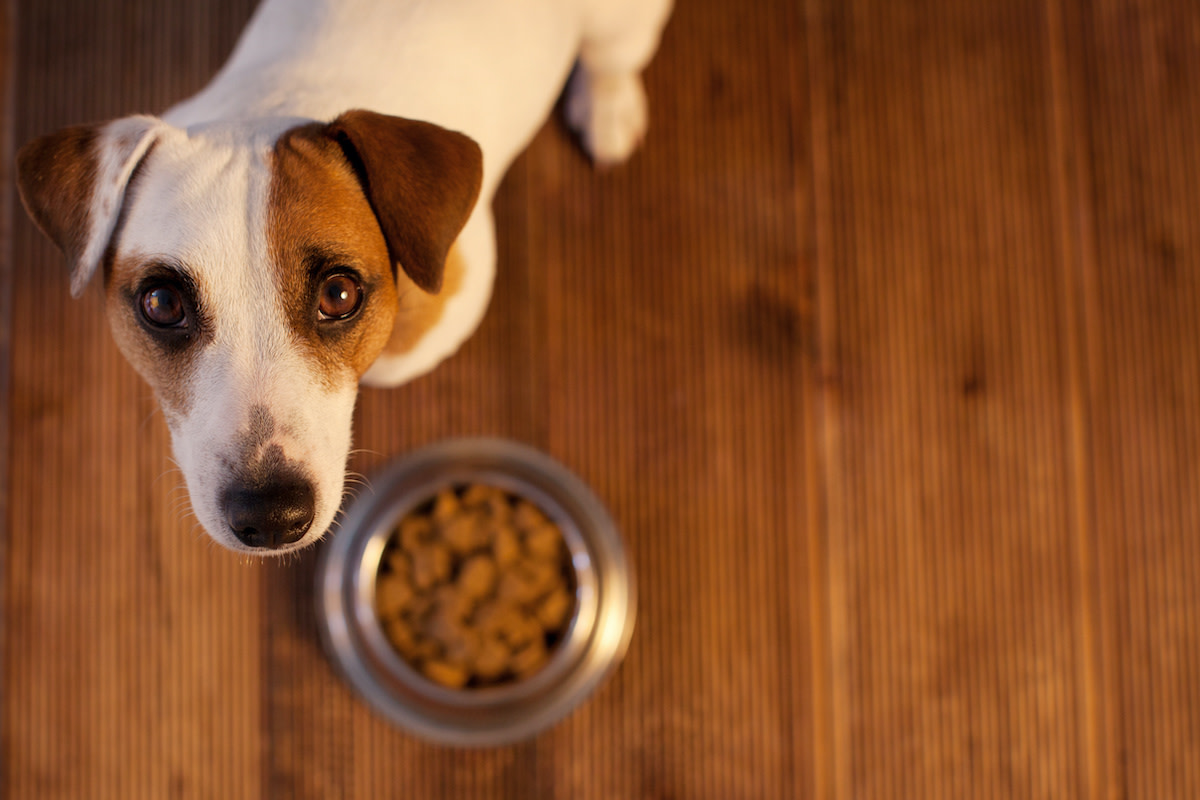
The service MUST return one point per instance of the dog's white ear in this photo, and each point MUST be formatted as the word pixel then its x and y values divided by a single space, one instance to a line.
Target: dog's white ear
pixel 421 181
pixel 73 186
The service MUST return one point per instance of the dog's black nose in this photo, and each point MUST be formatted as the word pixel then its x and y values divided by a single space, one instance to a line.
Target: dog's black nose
pixel 270 516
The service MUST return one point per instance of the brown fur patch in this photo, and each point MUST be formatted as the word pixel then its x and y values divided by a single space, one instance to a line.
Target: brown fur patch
pixel 419 311
pixel 319 223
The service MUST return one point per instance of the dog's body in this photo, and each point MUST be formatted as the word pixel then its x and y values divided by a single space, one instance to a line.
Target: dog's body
pixel 259 259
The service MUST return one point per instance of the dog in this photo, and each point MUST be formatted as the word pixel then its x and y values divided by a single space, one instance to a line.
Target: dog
pixel 318 216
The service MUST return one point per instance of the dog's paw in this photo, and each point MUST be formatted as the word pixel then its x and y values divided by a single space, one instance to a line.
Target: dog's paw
pixel 609 114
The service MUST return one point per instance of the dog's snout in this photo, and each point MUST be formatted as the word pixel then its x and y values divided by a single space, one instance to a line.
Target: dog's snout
pixel 270 516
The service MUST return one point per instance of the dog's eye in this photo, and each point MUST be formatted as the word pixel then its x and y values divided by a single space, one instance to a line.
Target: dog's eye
pixel 341 295
pixel 162 306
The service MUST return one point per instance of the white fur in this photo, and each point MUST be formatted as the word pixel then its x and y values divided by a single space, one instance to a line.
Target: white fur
pixel 487 68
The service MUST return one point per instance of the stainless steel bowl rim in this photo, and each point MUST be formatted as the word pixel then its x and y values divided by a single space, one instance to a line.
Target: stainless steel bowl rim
pixel 596 642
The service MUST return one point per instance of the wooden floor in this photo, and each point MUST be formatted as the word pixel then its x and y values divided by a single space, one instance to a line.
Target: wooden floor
pixel 884 353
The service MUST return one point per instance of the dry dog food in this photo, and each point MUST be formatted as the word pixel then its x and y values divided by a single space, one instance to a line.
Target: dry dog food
pixel 475 588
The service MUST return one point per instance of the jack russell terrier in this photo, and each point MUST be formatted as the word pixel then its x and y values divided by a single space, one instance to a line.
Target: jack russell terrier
pixel 318 215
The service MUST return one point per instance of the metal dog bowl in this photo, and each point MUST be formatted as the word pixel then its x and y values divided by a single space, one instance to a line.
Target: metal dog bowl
pixel 595 640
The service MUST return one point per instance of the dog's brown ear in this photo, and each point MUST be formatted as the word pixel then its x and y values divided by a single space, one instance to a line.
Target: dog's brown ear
pixel 73 182
pixel 421 181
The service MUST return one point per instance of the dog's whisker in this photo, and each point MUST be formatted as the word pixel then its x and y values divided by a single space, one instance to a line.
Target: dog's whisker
pixel 155 409
pixel 358 479
pixel 181 508
pixel 182 513
pixel 180 501
pixel 174 471
pixel 198 534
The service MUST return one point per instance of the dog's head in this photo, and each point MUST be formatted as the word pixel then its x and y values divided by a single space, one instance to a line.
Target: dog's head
pixel 251 275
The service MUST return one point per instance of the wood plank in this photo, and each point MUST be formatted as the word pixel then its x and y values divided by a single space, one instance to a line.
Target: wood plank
pixel 7 201
pixel 1135 76
pixel 1070 173
pixel 953 602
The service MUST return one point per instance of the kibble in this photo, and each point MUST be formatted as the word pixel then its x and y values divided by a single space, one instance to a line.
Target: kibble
pixel 475 588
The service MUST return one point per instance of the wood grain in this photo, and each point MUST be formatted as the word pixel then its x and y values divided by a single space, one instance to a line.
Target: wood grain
pixel 883 354
pixel 1136 77
pixel 952 558
pixel 7 152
